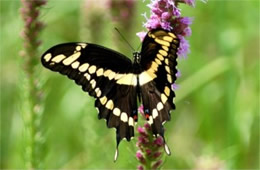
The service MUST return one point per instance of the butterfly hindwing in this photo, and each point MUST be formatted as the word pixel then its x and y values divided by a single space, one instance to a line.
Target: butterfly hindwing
pixel 159 61
pixel 104 74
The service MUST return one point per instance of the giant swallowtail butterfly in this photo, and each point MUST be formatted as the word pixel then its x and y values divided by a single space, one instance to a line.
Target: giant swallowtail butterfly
pixel 118 84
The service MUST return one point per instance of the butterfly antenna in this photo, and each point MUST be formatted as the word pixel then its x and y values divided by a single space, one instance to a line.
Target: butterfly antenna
pixel 124 39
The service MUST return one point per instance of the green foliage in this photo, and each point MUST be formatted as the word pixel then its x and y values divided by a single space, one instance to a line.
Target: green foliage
pixel 216 123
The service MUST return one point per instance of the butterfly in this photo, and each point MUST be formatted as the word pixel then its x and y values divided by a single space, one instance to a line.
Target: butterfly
pixel 118 84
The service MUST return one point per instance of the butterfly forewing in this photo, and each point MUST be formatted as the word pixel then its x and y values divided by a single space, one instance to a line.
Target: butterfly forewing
pixel 159 61
pixel 104 74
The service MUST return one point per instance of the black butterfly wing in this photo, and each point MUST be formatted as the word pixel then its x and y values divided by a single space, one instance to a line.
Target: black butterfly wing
pixel 159 61
pixel 105 75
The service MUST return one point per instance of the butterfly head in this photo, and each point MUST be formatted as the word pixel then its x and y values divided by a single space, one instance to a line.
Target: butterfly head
pixel 137 57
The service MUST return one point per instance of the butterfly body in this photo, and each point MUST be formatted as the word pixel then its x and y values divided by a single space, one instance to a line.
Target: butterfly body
pixel 118 84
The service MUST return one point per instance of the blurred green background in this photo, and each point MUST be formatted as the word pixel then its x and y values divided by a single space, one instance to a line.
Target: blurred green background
pixel 215 125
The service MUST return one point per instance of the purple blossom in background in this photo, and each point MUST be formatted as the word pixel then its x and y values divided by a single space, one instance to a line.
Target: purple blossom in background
pixel 122 11
pixel 33 95
pixel 32 26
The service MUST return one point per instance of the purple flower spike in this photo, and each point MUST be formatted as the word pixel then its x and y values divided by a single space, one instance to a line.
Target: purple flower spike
pixel 141 130
pixel 141 35
pixel 140 156
pixel 159 141
pixel 167 15
pixel 178 74
pixel 149 151
pixel 176 12
pixel 157 164
pixel 187 31
pixel 190 2
pixel 166 26
pixel 175 86
pixel 141 109
pixel 186 20
pixel 147 126
pixel 140 167
pixel 157 154
pixel 184 47
pixel 142 140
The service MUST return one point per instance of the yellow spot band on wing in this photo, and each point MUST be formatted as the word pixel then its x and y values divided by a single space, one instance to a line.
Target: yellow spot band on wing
pixel 116 112
pixel 98 92
pixel 164 53
pixel 47 57
pixel 78 48
pixel 100 72
pixel 159 106
pixel 103 100
pixel 92 69
pixel 93 83
pixel 83 67
pixel 160 57
pixel 107 72
pixel 158 61
pixel 172 35
pixel 167 68
pixel 169 78
pixel 166 61
pixel 128 79
pixel 110 105
pixel 124 117
pixel 163 98
pixel 155 113
pixel 146 76
pixel 165 48
pixel 154 66
pixel 167 91
pixel 88 77
pixel 151 35
pixel 83 45
pixel 58 58
pixel 111 75
pixel 71 58
pixel 118 76
pixel 131 121
pixel 75 65
pixel 168 38
pixel 162 42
